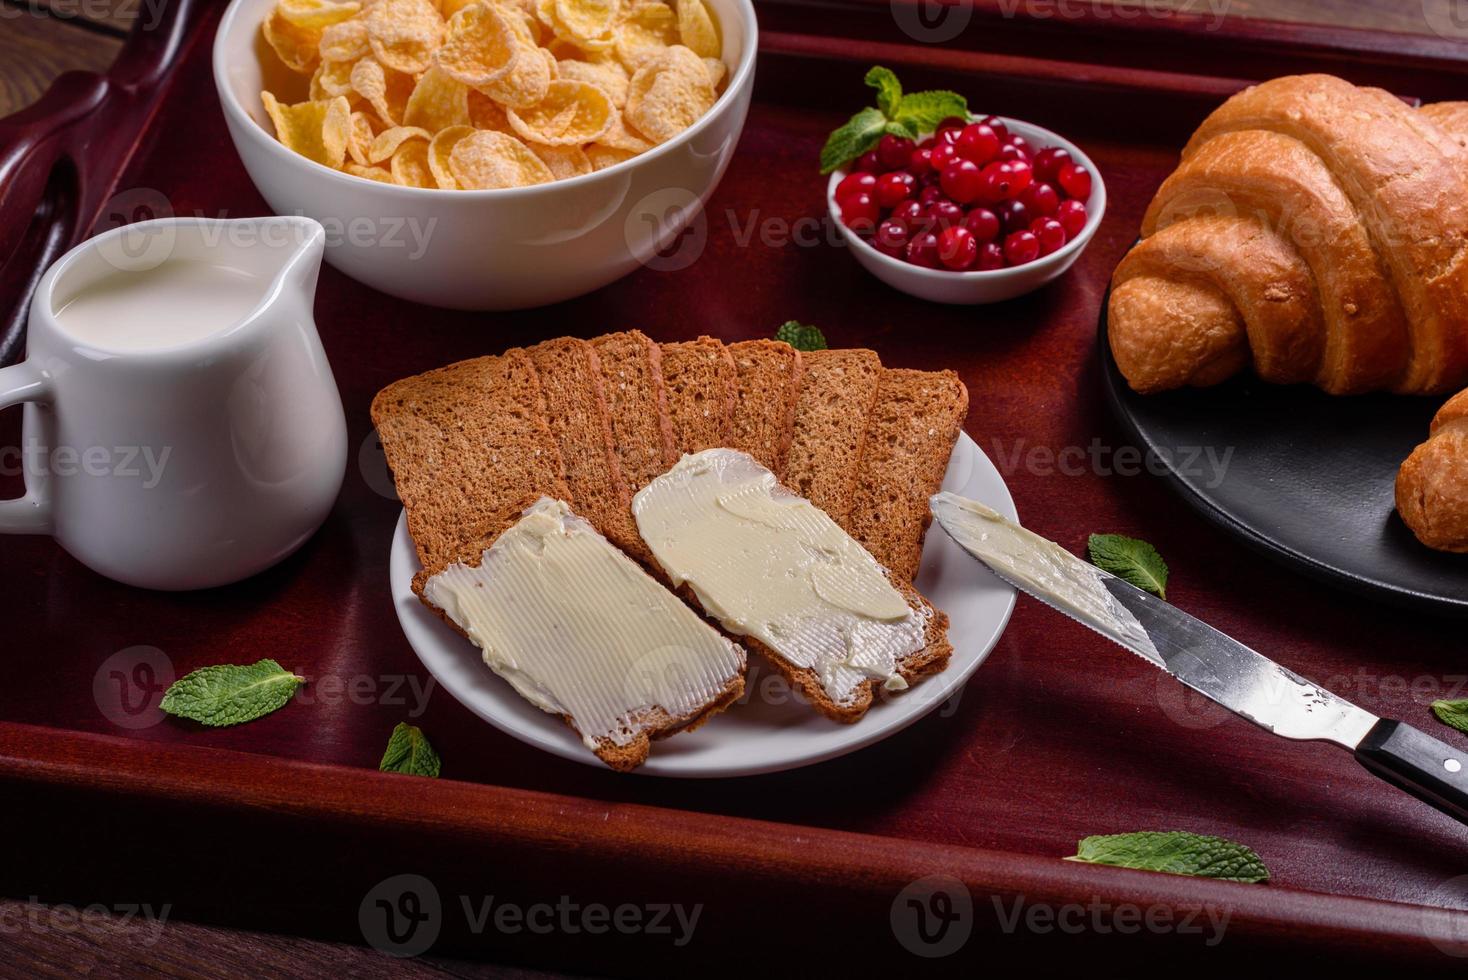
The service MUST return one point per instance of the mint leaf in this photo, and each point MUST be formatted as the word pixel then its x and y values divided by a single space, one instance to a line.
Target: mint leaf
pixel 801 337
pixel 408 752
pixel 1454 713
pixel 923 111
pixel 860 134
pixel 231 695
pixel 1175 852
pixel 889 89
pixel 1131 561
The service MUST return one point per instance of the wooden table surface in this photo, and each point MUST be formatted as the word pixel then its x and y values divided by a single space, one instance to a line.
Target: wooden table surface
pixel 40 39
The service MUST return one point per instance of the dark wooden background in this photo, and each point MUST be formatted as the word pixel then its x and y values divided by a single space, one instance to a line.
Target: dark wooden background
pixel 38 41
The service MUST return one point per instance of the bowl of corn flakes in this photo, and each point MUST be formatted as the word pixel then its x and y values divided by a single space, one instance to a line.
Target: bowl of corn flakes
pixel 488 154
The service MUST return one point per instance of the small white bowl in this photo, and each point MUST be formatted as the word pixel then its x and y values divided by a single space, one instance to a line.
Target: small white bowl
pixel 487 250
pixel 975 288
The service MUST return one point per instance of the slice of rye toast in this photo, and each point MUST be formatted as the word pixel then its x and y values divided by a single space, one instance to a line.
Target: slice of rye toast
pixel 469 449
pixel 702 383
pixel 653 724
pixel 571 382
pixel 910 436
pixel 637 400
pixel 837 394
pixel 769 387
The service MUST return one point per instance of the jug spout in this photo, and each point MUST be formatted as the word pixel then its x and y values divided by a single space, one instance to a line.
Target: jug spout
pixel 300 254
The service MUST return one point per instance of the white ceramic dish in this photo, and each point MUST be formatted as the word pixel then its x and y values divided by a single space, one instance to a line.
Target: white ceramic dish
pixel 974 288
pixel 487 250
pixel 768 731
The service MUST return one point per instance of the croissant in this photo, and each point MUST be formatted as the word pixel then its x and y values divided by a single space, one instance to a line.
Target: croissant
pixel 1432 486
pixel 1315 231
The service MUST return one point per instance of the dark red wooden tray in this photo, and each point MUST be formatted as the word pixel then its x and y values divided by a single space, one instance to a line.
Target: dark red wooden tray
pixel 284 824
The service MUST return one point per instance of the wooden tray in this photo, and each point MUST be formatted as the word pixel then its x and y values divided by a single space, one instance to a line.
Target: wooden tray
pixel 285 824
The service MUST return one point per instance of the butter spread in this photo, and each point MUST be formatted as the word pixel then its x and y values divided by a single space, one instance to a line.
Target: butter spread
pixel 1042 568
pixel 771 565
pixel 579 629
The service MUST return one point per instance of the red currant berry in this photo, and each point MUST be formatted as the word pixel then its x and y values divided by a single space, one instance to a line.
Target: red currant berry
pixel 869 162
pixel 943 155
pixel 929 194
pixel 1048 163
pixel 983 223
pixel 1042 200
pixel 963 181
pixel 928 143
pixel 1023 147
pixel 943 213
pixel 921 162
pixel 1072 217
pixel 1009 152
pixel 1075 180
pixel 1021 248
pixel 951 124
pixel 860 213
pixel 911 213
pixel 891 238
pixel 894 188
pixel 1051 234
pixel 977 143
pixel 991 257
pixel 1014 216
pixel 957 249
pixel 1005 180
pixel 923 250
pixel 894 151
pixel 1000 127
pixel 857 183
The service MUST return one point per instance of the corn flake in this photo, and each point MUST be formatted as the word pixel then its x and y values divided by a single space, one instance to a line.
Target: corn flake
pixel 410 165
pixel 572 113
pixel 387 143
pixel 668 95
pixel 297 47
pixel 696 29
pixel 586 21
pixel 439 152
pixel 368 173
pixel 318 131
pixel 563 161
pixel 360 136
pixel 602 157
pixel 438 102
pixel 609 76
pixel 489 161
pixel 317 14
pixel 649 29
pixel 386 91
pixel 481 46
pixel 486 113
pixel 404 34
pixel 346 41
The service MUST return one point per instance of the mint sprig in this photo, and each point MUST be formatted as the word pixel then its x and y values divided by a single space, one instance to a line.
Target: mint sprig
pixel 1130 560
pixel 408 752
pixel 231 695
pixel 1175 852
pixel 801 336
pixel 1452 713
pixel 895 113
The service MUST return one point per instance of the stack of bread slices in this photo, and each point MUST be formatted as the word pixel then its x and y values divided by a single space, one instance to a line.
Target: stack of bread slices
pixel 591 422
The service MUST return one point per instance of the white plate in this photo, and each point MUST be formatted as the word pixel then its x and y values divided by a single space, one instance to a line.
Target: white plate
pixel 768 731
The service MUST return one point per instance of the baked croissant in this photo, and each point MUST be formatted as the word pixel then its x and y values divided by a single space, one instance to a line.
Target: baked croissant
pixel 1432 486
pixel 1316 231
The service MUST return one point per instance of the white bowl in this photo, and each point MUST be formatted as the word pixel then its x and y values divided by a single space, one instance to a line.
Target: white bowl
pixel 974 288
pixel 487 250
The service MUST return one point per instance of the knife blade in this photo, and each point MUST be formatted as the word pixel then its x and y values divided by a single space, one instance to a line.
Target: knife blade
pixel 1210 662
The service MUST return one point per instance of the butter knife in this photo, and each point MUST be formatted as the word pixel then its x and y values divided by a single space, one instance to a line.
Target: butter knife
pixel 1214 665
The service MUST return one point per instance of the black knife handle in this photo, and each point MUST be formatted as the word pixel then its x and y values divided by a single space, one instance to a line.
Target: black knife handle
pixel 1433 771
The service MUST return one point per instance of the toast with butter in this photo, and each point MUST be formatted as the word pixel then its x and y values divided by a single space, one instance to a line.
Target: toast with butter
pixel 909 439
pixel 581 631
pixel 776 570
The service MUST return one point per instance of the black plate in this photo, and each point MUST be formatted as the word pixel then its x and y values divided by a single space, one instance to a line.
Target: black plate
pixel 1305 477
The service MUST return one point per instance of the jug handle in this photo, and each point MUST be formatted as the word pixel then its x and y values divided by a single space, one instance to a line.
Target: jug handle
pixel 30 514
